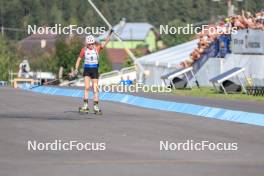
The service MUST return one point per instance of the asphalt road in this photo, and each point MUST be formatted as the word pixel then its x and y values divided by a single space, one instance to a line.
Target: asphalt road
pixel 132 136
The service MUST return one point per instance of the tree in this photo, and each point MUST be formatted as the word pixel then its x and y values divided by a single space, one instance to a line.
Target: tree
pixel 8 60
pixel 129 62
pixel 19 13
pixel 66 53
pixel 173 39
pixel 105 66
pixel 45 63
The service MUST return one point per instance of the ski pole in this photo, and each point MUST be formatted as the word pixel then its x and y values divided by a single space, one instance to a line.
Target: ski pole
pixel 132 56
pixel 49 82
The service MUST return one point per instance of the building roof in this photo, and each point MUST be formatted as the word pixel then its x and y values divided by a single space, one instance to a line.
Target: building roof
pixel 130 31
pixel 42 43
pixel 33 43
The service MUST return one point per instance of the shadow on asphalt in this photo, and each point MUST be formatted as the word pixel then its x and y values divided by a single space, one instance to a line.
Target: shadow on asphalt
pixel 48 117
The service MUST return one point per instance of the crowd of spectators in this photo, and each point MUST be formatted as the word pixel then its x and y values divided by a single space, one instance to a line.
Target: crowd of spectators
pixel 221 36
pixel 247 20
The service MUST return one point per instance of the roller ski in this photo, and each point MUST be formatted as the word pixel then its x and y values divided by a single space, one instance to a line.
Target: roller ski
pixel 84 108
pixel 96 109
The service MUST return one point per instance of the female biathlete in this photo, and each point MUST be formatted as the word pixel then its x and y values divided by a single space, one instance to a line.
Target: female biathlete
pixel 90 54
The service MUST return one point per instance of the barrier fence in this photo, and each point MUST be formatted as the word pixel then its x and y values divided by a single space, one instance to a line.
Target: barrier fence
pixel 256 91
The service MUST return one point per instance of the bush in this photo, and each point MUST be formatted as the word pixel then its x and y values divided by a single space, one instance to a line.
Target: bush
pixel 105 66
pixel 66 53
pixel 129 62
pixel 8 59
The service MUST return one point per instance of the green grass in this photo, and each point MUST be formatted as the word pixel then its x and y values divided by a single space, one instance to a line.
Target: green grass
pixel 207 92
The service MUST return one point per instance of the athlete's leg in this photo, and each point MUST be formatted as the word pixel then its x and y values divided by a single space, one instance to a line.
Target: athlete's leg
pixel 95 90
pixel 96 95
pixel 86 92
pixel 86 87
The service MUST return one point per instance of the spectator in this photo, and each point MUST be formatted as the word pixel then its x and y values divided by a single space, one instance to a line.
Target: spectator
pixel 129 81
pixel 24 69
pixel 126 82
pixel 221 40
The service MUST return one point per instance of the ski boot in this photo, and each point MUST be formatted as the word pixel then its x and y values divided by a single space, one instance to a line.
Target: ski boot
pixel 97 109
pixel 84 108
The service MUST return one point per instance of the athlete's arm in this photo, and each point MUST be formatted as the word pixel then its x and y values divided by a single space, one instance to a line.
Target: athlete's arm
pixel 107 39
pixel 81 55
pixel 78 63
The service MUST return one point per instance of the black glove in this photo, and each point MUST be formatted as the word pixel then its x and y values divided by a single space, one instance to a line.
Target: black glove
pixel 111 31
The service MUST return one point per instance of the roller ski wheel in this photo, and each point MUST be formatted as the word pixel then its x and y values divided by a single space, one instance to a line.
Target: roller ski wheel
pixel 98 112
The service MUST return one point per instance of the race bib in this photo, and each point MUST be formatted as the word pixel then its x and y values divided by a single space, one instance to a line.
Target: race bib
pixel 91 58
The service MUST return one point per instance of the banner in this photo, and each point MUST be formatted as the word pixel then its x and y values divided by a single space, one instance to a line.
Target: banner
pixel 248 41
